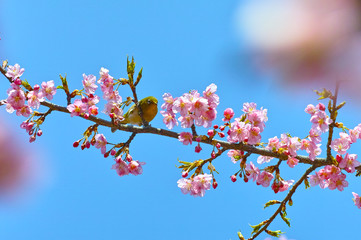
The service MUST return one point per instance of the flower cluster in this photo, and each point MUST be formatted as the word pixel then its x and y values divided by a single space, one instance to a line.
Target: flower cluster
pixel 248 127
pixel 17 97
pixel 329 176
pixel 133 167
pixel 192 107
pixel 195 186
pixel 264 178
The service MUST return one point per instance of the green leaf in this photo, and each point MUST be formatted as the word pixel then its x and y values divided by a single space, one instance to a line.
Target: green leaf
pixel 324 94
pixel 340 105
pixel 65 84
pixel 257 227
pixel 271 202
pixel 285 219
pixel 26 85
pixel 274 233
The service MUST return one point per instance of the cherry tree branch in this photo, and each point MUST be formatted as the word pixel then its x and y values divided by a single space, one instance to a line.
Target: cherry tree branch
pixel 284 202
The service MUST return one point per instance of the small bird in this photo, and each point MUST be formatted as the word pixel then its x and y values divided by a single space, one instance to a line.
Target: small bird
pixel 149 106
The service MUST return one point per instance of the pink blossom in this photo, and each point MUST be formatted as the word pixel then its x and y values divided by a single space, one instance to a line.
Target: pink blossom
pixel 186 186
pixel 93 110
pixel 169 119
pixel 292 162
pixel 239 131
pixel 168 102
pixel 182 105
pixel 294 146
pixel 211 96
pixel 264 178
pixel 349 163
pixel 104 75
pixel 114 109
pixel 101 142
pixel 257 118
pixel 16 98
pixel 285 185
pixel 357 199
pixel 254 136
pixel 273 144
pixel 89 83
pixel 34 98
pixel 314 179
pixel 228 114
pixel 310 109
pixel 77 108
pixel 354 134
pixel 201 183
pixel 112 96
pixel 320 121
pixel 315 135
pixel 48 89
pixel 340 145
pixel 338 182
pixel 185 137
pixel 252 171
pixel 135 167
pixel 235 155
pixel 121 167
pixel 93 100
pixel 263 159
pixel 24 111
pixel 249 107
pixel 199 106
pixel 14 72
pixel 186 121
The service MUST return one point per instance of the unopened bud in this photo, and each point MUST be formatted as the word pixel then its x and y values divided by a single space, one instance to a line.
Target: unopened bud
pixel 76 144
pixel 17 81
pixel 215 184
pixel 36 87
pixel 32 139
pixel 113 152
pixel 185 174
pixel 222 128
pixel 39 133
pixel 221 134
pixel 233 178
pixel 215 126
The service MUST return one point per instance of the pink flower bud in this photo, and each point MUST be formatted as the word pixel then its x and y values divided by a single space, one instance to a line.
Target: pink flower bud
pixel 210 133
pixel 321 107
pixel 39 133
pixel 218 145
pixel 32 139
pixel 198 148
pixel 111 115
pixel 222 128
pixel 113 152
pixel 17 81
pixel 185 174
pixel 129 158
pixel 221 134
pixel 87 144
pixel 213 154
pixel 233 178
pixel 215 126
pixel 86 115
pixel 215 184
pixel 106 154
pixel 36 87
pixel 76 144
pixel 198 139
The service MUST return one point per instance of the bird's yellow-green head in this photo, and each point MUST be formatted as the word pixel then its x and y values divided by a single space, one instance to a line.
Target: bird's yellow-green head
pixel 149 106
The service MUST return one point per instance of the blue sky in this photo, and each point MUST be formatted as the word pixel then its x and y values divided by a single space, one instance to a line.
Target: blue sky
pixel 181 45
